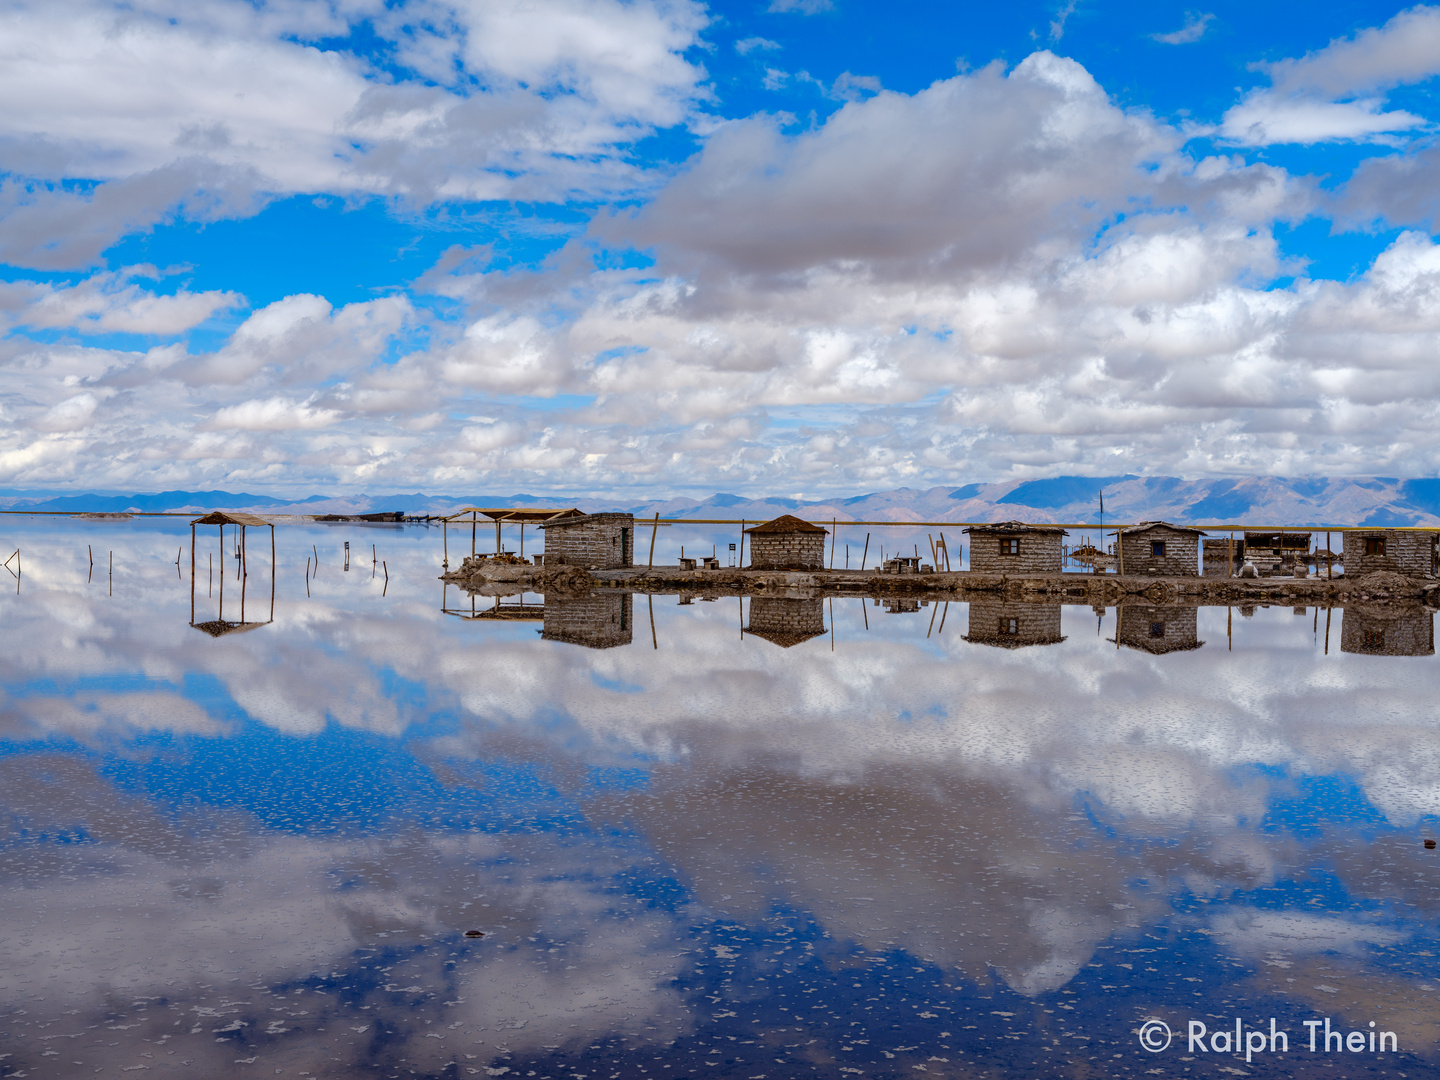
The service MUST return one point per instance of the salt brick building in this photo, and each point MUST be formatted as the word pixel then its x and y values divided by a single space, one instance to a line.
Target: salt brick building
pixel 1374 633
pixel 593 541
pixel 785 621
pixel 1159 629
pixel 1009 624
pixel 1161 549
pixel 599 621
pixel 1013 547
pixel 1401 551
pixel 787 543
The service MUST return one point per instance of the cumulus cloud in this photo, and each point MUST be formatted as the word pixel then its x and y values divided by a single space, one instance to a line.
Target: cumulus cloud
pixel 112 303
pixel 161 103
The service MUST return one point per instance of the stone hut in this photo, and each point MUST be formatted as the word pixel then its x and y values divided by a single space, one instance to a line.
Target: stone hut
pixel 594 541
pixel 1172 628
pixel 1380 632
pixel 1399 550
pixel 1012 547
pixel 1009 624
pixel 1161 549
pixel 787 543
pixel 786 621
pixel 600 621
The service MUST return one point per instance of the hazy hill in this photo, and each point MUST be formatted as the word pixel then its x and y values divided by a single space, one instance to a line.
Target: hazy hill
pixel 1252 501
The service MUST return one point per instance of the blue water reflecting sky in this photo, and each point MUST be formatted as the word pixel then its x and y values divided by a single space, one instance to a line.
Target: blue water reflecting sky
pixel 889 848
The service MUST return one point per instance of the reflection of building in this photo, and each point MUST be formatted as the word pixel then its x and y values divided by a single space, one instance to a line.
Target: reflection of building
pixel 1157 547
pixel 1012 547
pixel 1173 628
pixel 1388 633
pixel 594 541
pixel 1011 624
pixel 786 621
pixel 787 543
pixel 599 621
pixel 901 605
pixel 1401 551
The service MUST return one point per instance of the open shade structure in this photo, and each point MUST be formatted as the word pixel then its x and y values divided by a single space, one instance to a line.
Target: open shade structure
pixel 521 515
pixel 219 626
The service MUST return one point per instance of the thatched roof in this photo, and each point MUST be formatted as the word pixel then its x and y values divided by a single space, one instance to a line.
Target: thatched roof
pixel 220 627
pixel 1146 526
pixel 1011 528
pixel 783 638
pixel 229 517
pixel 525 514
pixel 786 523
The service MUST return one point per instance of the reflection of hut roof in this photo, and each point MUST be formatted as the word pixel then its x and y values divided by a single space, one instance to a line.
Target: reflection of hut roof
pixel 229 517
pixel 784 639
pixel 221 627
pixel 787 523
pixel 517 513
pixel 1008 527
pixel 1146 526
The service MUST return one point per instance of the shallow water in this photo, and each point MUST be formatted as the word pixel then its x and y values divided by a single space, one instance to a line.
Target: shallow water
pixel 883 847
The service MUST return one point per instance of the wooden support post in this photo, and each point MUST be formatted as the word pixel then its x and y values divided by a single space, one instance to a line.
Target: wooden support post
pixel 522 543
pixel 1120 556
pixel 834 532
pixel 1230 555
pixel 862 565
pixel 741 560
pixel 1329 564
pixel 272 573
pixel 221 615
pixel 654 528
pixel 244 575
pixel 192 574
pixel 497 537
pixel 474 524
pixel 445 539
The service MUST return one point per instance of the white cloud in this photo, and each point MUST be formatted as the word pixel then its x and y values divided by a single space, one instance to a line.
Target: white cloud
pixel 1331 94
pixel 1192 31
pixel 273 414
pixel 745 46
pixel 113 303
pixel 164 102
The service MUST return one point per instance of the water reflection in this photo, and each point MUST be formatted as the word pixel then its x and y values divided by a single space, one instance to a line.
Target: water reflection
pixel 695 852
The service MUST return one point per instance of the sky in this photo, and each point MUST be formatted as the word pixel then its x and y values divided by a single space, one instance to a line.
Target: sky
pixel 656 247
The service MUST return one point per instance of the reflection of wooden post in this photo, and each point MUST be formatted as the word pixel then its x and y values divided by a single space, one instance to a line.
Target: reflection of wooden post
pixel 650 598
pixel 1229 617
pixel 272 573
pixel 192 574
pixel 1327 630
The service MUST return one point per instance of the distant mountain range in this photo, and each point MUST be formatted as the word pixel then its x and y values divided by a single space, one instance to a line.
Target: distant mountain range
pixel 1072 499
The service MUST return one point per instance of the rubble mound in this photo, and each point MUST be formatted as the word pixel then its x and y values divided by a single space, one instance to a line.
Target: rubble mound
pixel 1384 585
pixel 479 573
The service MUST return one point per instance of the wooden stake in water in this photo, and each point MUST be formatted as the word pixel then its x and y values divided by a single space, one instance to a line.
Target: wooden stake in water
pixel 865 552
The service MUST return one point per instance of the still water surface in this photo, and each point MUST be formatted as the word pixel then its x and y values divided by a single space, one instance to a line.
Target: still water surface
pixel 888 849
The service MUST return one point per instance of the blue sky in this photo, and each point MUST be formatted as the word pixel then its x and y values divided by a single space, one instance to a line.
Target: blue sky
pixel 663 247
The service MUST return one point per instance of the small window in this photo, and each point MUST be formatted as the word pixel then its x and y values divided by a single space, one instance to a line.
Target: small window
pixel 1157 549
pixel 1009 627
pixel 1157 629
pixel 1010 546
pixel 1374 639
pixel 1375 545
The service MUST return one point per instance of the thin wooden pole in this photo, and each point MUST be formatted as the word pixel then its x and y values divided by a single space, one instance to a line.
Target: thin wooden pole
pixel 1230 555
pixel 445 534
pixel 244 575
pixel 474 524
pixel 1229 620
pixel 272 573
pixel 522 542
pixel 832 624
pixel 934 610
pixel 192 574
pixel 945 547
pixel 1329 562
pixel 221 615
pixel 655 528
pixel 862 557
pixel 1120 555
pixel 654 641
pixel 942 619
pixel 1327 630
pixel 864 614
pixel 741 560
pixel 497 538
pixel 834 532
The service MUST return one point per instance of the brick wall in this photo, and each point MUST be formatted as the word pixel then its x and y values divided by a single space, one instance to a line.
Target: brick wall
pixel 595 541
pixel 784 620
pixel 787 551
pixel 600 621
pixel 1011 625
pixel 1182 553
pixel 1411 634
pixel 1159 629
pixel 1039 554
pixel 1409 553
